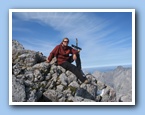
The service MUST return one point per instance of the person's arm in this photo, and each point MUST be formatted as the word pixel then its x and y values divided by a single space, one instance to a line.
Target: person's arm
pixel 52 54
pixel 73 51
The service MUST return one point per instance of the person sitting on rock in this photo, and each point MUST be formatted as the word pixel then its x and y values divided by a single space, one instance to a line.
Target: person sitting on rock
pixel 62 53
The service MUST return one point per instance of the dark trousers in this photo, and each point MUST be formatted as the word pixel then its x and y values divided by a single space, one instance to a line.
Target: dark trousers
pixel 78 61
pixel 74 69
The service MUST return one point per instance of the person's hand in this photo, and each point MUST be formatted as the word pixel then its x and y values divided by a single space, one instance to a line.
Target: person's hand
pixel 78 50
pixel 74 57
pixel 47 61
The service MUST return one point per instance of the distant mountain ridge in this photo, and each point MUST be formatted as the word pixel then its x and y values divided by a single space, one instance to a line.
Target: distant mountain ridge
pixel 34 80
pixel 104 68
pixel 119 79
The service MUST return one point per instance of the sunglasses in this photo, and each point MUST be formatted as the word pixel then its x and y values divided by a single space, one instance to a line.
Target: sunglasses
pixel 65 41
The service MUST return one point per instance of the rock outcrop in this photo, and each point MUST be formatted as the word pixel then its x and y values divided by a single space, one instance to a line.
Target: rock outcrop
pixel 120 79
pixel 34 80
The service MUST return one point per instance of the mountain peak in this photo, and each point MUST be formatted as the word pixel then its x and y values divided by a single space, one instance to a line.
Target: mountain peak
pixel 34 80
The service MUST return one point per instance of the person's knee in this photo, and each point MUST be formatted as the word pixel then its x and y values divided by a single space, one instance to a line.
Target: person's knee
pixel 74 57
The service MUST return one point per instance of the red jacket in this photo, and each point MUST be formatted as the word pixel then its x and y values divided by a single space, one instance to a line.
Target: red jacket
pixel 62 53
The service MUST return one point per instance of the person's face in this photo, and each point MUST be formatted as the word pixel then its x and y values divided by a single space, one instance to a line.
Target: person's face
pixel 65 42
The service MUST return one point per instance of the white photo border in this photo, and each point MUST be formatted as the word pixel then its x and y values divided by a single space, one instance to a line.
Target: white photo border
pixel 71 10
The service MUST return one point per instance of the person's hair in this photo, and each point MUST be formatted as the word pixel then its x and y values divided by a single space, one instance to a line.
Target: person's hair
pixel 65 39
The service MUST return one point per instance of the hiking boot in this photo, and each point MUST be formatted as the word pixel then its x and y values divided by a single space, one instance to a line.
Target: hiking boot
pixel 86 82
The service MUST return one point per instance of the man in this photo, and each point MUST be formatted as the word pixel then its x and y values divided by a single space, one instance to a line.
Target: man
pixel 62 53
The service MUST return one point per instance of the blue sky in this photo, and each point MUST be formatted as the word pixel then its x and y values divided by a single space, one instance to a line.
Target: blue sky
pixel 105 37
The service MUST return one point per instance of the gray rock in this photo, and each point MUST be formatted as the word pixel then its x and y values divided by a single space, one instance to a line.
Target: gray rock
pixel 28 83
pixel 100 85
pixel 78 99
pixel 63 79
pixel 87 91
pixel 18 90
pixel 88 100
pixel 61 69
pixel 60 88
pixel 51 95
pixel 32 97
pixel 16 45
pixel 71 78
pixel 126 98
pixel 108 95
pixel 74 84
pixel 48 77
pixel 70 98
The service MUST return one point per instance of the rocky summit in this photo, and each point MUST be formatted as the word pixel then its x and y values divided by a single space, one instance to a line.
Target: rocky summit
pixel 34 80
pixel 120 79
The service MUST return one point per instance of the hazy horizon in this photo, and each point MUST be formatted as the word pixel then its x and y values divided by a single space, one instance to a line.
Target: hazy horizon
pixel 104 68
